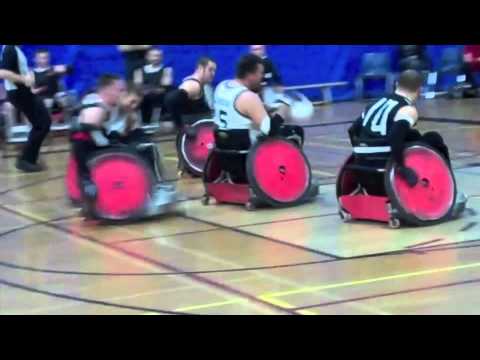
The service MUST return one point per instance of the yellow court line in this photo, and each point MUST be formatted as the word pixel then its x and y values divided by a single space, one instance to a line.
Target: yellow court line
pixel 27 214
pixel 285 305
pixel 211 305
pixel 312 289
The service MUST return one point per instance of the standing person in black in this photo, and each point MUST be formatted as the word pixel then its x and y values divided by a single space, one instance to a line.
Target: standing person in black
pixel 48 81
pixel 18 82
pixel 271 76
pixel 134 56
pixel 156 80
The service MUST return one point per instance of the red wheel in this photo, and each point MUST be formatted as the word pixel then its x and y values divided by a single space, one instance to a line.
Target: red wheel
pixel 194 150
pixel 279 171
pixel 124 185
pixel 72 181
pixel 433 198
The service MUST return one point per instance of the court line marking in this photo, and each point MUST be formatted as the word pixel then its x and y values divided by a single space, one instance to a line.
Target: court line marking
pixel 313 289
pixel 85 300
pixel 273 302
pixel 225 288
pixel 38 182
pixel 126 297
pixel 245 232
pixel 393 293
pixel 449 120
pixel 388 253
pixel 212 305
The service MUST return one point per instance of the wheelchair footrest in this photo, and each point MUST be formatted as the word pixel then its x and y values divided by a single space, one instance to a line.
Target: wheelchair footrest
pixel 229 193
pixel 366 207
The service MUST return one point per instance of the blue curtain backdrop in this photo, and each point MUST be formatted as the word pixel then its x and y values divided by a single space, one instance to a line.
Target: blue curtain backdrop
pixel 298 64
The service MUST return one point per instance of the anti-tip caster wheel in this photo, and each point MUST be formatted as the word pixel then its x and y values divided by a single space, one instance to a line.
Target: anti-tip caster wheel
pixel 206 200
pixel 345 216
pixel 394 223
pixel 250 206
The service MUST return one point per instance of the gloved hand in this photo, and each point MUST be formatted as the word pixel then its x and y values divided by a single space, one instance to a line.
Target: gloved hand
pixel 115 139
pixel 409 175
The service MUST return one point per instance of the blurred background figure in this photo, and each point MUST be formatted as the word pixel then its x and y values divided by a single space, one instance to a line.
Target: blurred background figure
pixel 413 57
pixel 49 84
pixel 272 76
pixel 156 80
pixel 18 83
pixel 134 56
pixel 471 59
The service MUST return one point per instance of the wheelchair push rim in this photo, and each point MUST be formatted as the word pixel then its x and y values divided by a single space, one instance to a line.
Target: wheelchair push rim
pixel 432 200
pixel 195 151
pixel 124 185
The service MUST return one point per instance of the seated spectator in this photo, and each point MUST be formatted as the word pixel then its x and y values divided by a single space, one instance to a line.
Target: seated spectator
pixel 156 80
pixel 48 82
pixel 472 64
pixel 134 56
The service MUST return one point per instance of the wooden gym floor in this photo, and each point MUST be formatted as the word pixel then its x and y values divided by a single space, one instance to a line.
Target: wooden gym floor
pixel 225 260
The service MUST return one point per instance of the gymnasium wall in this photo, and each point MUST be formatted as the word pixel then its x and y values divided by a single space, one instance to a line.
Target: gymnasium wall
pixel 298 64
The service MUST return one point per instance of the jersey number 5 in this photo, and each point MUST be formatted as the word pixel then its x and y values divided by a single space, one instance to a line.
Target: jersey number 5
pixel 223 121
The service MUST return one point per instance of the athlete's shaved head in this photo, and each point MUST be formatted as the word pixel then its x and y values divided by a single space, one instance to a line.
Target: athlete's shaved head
pixel 411 81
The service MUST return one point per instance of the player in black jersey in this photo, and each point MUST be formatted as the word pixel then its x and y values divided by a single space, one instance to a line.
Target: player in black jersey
pixel 190 97
pixel 386 126
pixel 156 80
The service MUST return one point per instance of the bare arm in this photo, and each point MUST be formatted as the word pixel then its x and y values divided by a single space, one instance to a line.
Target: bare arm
pixel 15 78
pixel 167 79
pixel 252 106
pixel 93 116
pixel 192 88
pixel 138 77
pixel 133 122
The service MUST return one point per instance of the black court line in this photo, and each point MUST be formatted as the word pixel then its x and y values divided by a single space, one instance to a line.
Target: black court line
pixel 67 149
pixel 24 186
pixel 327 124
pixel 431 248
pixel 153 274
pixel 245 232
pixel 469 226
pixel 423 243
pixel 35 223
pixel 289 220
pixel 186 233
pixel 393 293
pixel 199 279
pixel 426 119
pixel 450 121
pixel 89 301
